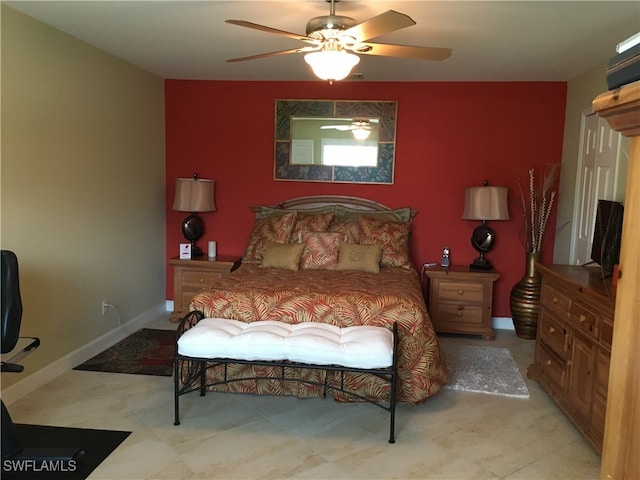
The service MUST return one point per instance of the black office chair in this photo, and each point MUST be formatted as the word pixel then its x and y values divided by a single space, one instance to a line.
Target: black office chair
pixel 11 318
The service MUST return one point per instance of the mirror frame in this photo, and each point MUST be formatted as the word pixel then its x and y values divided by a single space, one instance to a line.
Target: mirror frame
pixel 386 111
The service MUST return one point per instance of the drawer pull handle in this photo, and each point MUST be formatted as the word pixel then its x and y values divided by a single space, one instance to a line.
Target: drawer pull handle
pixel 555 300
pixel 460 292
pixel 459 313
pixel 582 318
pixel 552 329
pixel 548 363
pixel 202 280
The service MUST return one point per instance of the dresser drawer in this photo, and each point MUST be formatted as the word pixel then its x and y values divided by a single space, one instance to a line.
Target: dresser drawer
pixel 603 364
pixel 456 313
pixel 552 369
pixel 556 301
pixel 606 331
pixel 553 334
pixel 598 414
pixel 585 319
pixel 460 292
pixel 198 279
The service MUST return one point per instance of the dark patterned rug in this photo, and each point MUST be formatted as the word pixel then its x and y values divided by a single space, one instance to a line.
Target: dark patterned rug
pixel 146 352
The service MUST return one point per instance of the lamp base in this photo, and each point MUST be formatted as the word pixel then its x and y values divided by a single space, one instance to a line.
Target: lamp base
pixel 192 229
pixel 481 264
pixel 196 251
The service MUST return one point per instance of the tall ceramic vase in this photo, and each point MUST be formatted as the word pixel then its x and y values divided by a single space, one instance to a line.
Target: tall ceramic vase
pixel 525 300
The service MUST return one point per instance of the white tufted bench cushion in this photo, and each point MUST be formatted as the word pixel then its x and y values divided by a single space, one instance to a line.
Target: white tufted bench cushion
pixel 311 343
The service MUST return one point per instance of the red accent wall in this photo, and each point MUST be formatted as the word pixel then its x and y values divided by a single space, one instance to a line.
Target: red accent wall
pixel 449 136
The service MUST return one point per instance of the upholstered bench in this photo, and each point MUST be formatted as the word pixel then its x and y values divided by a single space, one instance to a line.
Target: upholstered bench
pixel 213 341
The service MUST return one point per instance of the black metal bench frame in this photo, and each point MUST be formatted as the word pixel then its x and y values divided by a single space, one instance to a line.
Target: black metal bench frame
pixel 190 374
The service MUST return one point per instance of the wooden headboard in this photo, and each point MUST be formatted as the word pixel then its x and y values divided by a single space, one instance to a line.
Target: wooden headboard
pixel 316 201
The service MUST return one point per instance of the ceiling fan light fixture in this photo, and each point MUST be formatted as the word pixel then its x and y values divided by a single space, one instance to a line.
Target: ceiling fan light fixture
pixel 361 133
pixel 332 64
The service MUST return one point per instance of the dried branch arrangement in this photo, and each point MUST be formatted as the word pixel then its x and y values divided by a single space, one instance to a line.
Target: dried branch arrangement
pixel 537 209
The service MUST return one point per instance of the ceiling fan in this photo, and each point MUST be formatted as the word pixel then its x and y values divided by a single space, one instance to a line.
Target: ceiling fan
pixel 355 125
pixel 334 40
pixel 361 129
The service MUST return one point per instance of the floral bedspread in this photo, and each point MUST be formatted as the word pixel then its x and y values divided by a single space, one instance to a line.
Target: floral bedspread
pixel 342 298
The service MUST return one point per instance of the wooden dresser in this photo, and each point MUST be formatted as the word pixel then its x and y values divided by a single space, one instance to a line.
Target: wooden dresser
pixel 190 276
pixel 573 344
pixel 620 459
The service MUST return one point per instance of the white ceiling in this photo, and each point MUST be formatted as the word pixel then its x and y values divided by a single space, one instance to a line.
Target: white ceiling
pixel 491 41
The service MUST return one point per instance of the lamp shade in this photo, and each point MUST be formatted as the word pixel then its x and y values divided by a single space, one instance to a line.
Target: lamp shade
pixel 485 203
pixel 194 195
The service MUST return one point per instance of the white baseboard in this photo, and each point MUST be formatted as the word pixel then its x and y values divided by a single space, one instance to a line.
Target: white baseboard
pixel 502 323
pixel 50 372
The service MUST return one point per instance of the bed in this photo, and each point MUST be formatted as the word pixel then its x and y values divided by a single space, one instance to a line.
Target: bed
pixel 338 260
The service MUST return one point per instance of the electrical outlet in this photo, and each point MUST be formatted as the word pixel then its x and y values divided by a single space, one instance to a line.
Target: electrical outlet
pixel 104 307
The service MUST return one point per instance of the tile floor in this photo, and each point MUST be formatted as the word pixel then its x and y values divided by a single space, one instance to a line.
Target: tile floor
pixel 455 435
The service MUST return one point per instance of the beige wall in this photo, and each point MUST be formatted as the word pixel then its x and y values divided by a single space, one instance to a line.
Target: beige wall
pixel 580 93
pixel 82 186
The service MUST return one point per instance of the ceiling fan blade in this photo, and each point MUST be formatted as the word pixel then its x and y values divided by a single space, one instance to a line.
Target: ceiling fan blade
pixel 337 127
pixel 273 54
pixel 386 22
pixel 403 51
pixel 262 28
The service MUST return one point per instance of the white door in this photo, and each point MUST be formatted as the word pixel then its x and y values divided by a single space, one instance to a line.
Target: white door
pixel 598 171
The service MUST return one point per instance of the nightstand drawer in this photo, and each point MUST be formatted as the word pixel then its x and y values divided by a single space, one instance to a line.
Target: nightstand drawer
pixel 187 295
pixel 461 292
pixel 196 278
pixel 452 313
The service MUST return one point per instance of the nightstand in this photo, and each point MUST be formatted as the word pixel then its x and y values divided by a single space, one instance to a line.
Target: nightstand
pixel 190 276
pixel 460 299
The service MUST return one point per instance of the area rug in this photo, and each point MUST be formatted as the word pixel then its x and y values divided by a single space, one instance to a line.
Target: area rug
pixel 146 352
pixel 97 445
pixel 483 369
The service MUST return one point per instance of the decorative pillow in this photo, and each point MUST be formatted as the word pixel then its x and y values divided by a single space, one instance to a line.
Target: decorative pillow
pixel 351 231
pixel 365 258
pixel 320 250
pixel 313 222
pixel 393 237
pixel 345 214
pixel 282 255
pixel 271 229
pixel 265 211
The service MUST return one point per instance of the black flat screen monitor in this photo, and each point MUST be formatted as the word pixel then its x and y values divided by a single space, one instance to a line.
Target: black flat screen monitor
pixel 607 234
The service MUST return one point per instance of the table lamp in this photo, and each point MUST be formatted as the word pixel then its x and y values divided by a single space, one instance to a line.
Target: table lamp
pixel 194 195
pixel 484 203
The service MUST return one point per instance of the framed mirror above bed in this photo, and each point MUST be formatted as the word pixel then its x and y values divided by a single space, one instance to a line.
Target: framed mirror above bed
pixel 340 141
